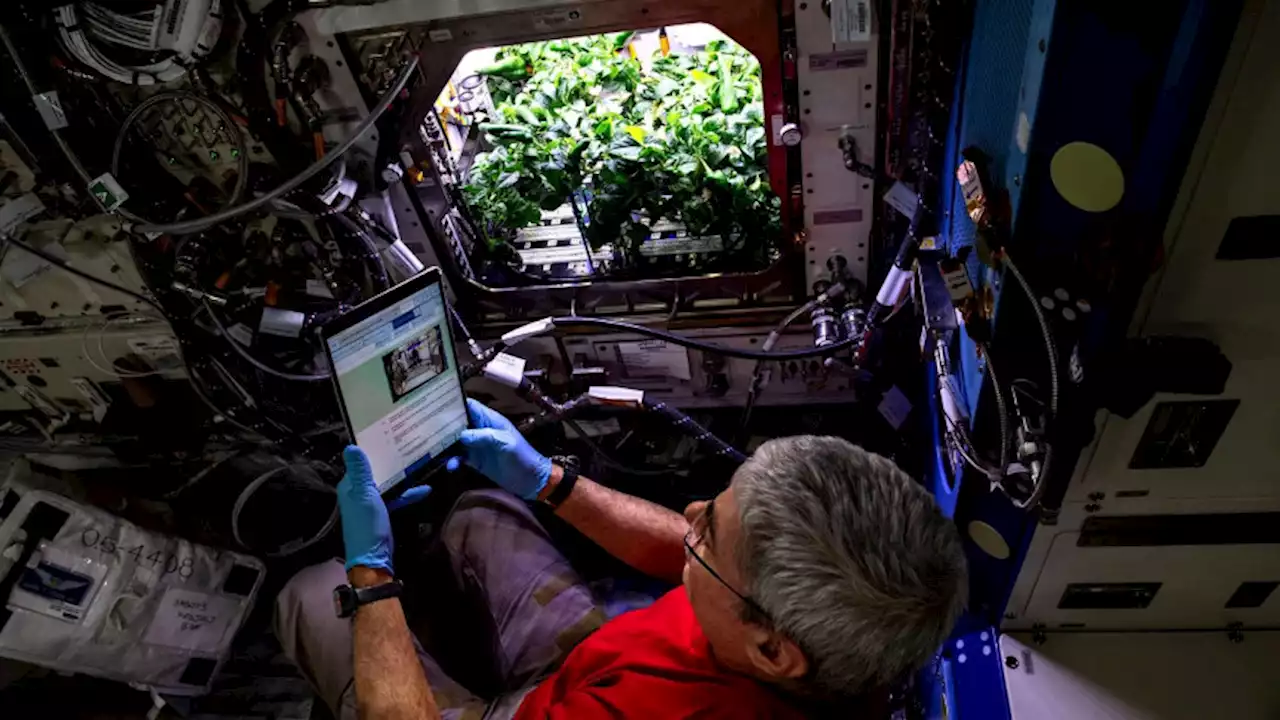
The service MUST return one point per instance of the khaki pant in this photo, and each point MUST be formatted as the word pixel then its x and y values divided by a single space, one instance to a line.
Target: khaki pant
pixel 539 606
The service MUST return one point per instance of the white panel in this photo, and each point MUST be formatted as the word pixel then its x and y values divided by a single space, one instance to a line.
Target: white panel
pixel 1037 571
pixel 837 95
pixel 1197 581
pixel 396 12
pixel 1143 676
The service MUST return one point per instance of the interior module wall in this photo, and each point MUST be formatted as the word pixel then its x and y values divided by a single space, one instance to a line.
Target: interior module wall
pixel 1169 532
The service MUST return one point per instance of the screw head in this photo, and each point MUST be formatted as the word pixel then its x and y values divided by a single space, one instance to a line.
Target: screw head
pixel 1011 662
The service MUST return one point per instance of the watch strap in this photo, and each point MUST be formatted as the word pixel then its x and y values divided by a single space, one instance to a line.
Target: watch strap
pixel 374 593
pixel 568 479
pixel 349 599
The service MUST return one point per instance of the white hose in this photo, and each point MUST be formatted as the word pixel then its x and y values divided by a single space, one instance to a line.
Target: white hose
pixel 1052 350
pixel 1045 332
pixel 291 547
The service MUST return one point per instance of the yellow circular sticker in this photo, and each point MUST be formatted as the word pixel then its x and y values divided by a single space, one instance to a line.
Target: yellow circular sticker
pixel 1087 176
pixel 989 540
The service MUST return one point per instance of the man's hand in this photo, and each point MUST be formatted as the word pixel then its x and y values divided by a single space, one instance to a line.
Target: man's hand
pixel 366 527
pixel 500 453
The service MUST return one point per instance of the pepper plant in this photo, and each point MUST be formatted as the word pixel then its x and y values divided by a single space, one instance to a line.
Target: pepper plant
pixel 583 122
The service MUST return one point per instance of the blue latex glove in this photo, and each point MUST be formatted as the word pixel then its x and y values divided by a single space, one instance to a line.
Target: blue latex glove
pixel 499 452
pixel 366 525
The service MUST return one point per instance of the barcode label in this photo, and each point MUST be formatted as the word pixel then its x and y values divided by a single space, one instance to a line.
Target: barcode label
pixel 850 21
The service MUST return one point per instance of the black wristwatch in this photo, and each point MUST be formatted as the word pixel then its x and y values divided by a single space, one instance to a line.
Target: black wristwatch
pixel 347 599
pixel 569 465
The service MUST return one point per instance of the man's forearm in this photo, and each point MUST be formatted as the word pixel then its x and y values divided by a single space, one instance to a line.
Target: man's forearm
pixel 389 681
pixel 648 537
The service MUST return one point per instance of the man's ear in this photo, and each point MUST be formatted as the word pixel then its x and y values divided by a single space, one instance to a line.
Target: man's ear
pixel 774 655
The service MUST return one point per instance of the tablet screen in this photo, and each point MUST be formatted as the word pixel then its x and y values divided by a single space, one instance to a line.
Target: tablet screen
pixel 398 378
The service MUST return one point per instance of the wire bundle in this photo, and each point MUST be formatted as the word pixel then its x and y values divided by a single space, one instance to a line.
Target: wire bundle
pixel 160 29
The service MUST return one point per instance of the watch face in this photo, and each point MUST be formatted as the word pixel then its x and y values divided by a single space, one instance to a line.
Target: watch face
pixel 344 601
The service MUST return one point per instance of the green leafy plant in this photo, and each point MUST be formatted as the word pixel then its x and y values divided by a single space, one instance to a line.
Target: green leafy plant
pixel 583 122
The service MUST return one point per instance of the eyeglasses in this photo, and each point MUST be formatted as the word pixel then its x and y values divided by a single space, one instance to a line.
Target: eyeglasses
pixel 693 539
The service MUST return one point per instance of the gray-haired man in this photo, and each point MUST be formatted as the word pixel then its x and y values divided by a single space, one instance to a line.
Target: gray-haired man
pixel 820 575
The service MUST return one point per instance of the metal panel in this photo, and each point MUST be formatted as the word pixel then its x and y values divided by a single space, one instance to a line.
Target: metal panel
pixel 25 356
pixel 1197 582
pixel 395 12
pixel 1143 676
pixel 837 84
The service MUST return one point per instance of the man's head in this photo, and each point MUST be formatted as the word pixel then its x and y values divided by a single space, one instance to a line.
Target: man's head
pixel 836 572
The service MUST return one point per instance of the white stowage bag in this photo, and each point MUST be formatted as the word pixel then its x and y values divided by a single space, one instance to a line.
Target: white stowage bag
pixel 101 596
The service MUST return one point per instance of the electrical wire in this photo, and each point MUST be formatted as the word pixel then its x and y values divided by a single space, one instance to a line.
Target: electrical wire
pixel 621 326
pixel 693 429
pixel 563 412
pixel 1001 407
pixel 242 164
pixel 380 107
pixel 291 547
pixel 381 281
pixel 244 353
pixel 960 442
pixel 607 460
pixel 472 345
pixel 757 374
pixel 140 31
pixel 102 330
pixel 72 159
pixel 1051 349
pixel 218 413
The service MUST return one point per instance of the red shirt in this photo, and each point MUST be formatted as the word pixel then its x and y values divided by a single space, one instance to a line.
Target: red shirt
pixel 650 663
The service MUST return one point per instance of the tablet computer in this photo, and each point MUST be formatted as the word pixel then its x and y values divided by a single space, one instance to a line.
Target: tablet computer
pixel 397 379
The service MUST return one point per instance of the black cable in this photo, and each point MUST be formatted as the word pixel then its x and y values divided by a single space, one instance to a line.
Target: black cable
pixel 622 326
pixel 249 358
pixel 608 461
pixel 372 255
pixel 552 410
pixel 474 346
pixel 691 428
pixel 82 274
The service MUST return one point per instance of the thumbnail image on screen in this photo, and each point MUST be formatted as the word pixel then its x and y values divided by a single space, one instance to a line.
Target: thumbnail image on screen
pixel 399 385
pixel 415 362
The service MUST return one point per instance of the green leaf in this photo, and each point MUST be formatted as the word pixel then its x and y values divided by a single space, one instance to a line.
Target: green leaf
pixel 626 153
pixel 684 140
pixel 702 77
